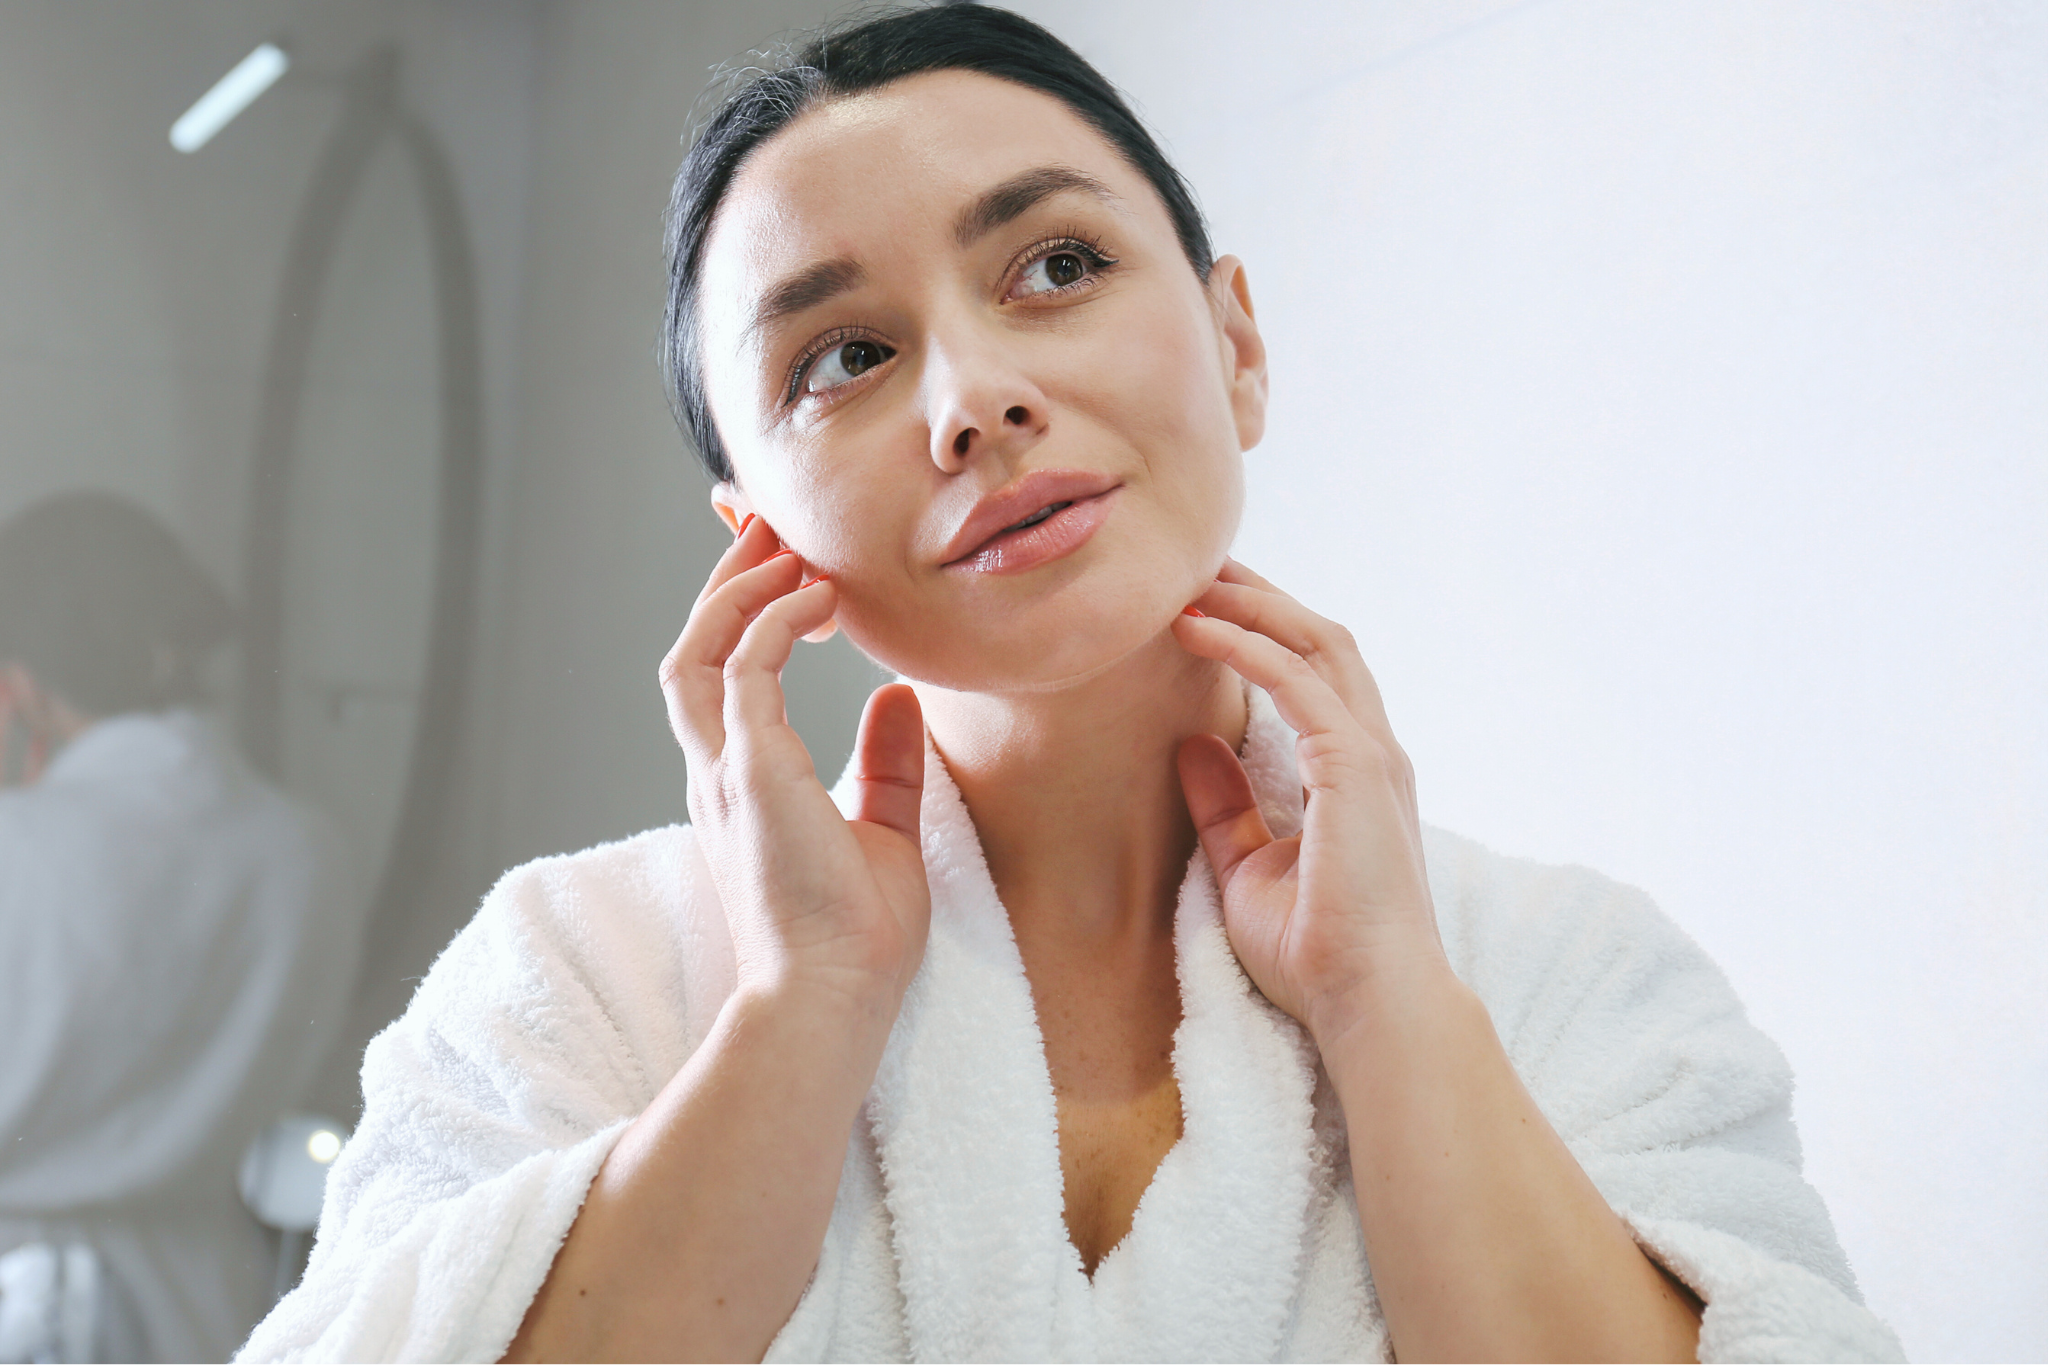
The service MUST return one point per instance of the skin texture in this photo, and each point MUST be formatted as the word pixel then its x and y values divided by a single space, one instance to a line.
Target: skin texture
pixel 1091 727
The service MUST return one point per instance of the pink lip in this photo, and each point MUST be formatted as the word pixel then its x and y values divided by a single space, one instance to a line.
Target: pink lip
pixel 988 543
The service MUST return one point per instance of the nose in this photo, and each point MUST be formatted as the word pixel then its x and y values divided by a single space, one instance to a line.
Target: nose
pixel 980 404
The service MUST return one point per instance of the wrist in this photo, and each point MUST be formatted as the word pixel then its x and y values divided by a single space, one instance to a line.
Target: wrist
pixel 1387 998
pixel 832 1001
pixel 863 973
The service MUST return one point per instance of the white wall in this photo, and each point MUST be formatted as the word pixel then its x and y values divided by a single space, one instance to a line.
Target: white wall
pixel 1659 392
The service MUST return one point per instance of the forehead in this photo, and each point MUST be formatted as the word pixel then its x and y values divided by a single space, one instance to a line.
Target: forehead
pixel 890 165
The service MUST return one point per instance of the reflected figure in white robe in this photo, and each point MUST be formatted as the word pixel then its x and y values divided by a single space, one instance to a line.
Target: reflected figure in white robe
pixel 175 951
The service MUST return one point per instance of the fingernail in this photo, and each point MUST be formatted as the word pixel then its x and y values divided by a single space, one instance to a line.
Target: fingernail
pixel 1190 611
pixel 777 555
pixel 813 583
pixel 744 525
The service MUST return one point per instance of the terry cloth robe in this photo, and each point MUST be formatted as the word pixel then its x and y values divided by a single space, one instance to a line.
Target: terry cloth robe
pixel 177 946
pixel 585 981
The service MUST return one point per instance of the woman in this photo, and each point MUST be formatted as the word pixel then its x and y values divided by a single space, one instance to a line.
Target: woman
pixel 1117 1003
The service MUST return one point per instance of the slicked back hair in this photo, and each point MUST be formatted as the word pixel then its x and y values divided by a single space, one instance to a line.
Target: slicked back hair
pixel 832 65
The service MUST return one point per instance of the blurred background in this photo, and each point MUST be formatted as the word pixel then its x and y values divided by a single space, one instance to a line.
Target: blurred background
pixel 1660 392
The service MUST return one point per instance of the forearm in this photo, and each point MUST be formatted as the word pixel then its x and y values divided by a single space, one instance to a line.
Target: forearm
pixel 1486 1239
pixel 703 1227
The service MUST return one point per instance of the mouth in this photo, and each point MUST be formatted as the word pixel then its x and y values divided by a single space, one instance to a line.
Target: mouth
pixel 1044 516
pixel 1040 515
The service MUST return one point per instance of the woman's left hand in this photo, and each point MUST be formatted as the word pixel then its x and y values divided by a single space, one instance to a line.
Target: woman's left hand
pixel 1342 909
pixel 1487 1240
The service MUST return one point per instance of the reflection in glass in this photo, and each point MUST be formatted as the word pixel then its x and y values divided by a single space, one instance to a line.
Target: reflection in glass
pixel 177 948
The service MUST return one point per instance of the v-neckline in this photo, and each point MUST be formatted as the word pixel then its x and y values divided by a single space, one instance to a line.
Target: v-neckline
pixel 965 1127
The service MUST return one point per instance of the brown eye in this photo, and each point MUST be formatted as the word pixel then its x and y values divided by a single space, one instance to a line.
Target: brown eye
pixel 1060 269
pixel 1064 267
pixel 845 364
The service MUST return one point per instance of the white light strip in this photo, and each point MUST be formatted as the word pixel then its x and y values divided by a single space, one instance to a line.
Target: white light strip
pixel 230 95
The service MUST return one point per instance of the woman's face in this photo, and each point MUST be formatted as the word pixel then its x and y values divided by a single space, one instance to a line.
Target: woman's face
pixel 934 311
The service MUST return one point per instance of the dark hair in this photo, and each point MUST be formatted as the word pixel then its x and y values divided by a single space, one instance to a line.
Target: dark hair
pixel 100 601
pixel 945 37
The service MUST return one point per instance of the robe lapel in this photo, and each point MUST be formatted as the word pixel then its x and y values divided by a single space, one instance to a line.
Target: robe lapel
pixel 964 1121
pixel 1213 1261
pixel 965 1129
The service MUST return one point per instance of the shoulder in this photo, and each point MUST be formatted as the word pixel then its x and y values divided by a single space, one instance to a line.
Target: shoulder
pixel 1517 929
pixel 1613 1014
pixel 611 960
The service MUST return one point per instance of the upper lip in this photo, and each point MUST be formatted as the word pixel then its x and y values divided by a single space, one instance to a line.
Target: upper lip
pixel 1007 506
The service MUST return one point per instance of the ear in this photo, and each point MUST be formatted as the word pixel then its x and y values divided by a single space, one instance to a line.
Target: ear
pixel 732 506
pixel 1244 350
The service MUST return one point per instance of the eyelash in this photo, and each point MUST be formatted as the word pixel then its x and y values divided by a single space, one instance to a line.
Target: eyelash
pixel 816 351
pixel 1070 240
pixel 1074 241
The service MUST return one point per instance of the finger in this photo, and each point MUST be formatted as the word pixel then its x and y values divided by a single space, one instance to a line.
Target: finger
pixel 753 672
pixel 693 672
pixel 753 544
pixel 889 761
pixel 1327 646
pixel 1220 798
pixel 1309 705
pixel 1234 571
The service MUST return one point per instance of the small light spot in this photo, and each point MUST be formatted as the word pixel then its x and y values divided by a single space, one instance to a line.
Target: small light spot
pixel 324 1145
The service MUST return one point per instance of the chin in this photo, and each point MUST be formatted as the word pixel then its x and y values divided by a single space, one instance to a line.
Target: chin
pixel 1059 641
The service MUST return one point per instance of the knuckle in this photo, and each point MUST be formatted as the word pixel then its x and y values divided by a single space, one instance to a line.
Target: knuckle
pixel 1359 757
pixel 714 799
pixel 670 672
pixel 1330 642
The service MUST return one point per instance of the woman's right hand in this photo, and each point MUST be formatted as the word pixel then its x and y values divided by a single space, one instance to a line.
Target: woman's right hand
pixel 702 1227
pixel 814 900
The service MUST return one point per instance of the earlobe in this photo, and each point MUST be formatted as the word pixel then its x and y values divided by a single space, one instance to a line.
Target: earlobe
pixel 732 506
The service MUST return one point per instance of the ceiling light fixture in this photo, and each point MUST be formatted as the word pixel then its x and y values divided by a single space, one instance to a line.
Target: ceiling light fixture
pixel 231 94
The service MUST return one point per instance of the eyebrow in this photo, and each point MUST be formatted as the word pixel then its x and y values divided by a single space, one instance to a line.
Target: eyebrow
pixel 1000 204
pixel 807 288
pixel 1018 195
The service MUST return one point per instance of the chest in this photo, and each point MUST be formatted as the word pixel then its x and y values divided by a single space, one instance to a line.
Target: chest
pixel 1107 1026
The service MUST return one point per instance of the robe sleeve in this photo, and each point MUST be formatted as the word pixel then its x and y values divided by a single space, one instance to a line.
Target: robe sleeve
pixel 1636 1048
pixel 548 1024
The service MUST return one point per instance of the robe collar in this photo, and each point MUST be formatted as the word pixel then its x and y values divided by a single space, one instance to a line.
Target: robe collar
pixel 964 1125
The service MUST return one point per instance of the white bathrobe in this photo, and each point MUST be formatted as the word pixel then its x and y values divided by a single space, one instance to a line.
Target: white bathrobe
pixel 176 950
pixel 585 981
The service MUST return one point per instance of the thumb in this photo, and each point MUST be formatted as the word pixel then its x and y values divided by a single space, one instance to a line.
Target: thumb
pixel 1220 799
pixel 889 760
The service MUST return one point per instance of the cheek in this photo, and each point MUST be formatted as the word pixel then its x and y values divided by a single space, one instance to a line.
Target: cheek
pixel 841 512
pixel 1170 402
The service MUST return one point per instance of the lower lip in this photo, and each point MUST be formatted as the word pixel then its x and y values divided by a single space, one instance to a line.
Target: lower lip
pixel 1058 536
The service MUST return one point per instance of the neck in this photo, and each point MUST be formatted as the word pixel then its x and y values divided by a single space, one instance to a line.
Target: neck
pixel 1075 791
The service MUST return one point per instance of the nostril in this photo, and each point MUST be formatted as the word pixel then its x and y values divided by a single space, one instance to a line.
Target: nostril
pixel 963 440
pixel 1016 417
